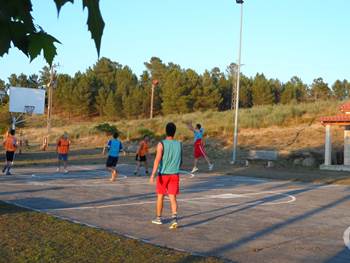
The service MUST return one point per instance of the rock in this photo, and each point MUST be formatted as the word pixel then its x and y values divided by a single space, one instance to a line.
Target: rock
pixel 306 154
pixel 270 164
pixel 297 161
pixel 309 162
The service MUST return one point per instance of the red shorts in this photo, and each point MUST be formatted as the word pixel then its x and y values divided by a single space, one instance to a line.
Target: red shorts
pixel 199 149
pixel 168 184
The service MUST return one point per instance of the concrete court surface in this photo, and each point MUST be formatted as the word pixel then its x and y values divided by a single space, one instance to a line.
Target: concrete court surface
pixel 237 218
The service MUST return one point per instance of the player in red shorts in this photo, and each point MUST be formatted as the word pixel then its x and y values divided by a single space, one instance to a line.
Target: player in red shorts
pixel 199 150
pixel 167 164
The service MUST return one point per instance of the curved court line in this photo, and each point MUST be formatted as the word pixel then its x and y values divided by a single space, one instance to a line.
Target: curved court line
pixel 208 197
pixel 346 237
pixel 186 172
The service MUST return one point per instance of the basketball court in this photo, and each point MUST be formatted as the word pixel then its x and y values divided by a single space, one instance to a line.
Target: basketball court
pixel 237 218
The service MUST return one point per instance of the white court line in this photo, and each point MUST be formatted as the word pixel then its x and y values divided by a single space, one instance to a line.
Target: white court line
pixel 208 197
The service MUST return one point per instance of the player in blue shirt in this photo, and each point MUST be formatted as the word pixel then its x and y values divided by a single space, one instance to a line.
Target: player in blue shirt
pixel 114 146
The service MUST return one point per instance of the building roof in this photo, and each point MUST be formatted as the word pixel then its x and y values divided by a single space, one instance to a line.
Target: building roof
pixel 345 107
pixel 337 119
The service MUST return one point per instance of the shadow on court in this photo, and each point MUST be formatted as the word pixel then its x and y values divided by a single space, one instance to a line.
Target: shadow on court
pixel 238 218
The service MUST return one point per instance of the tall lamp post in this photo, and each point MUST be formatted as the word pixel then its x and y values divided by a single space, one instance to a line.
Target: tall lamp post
pixel 154 84
pixel 234 152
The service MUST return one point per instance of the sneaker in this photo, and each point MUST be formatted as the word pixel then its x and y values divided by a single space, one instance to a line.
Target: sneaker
pixel 4 169
pixel 211 166
pixel 157 221
pixel 66 171
pixel 57 169
pixel 135 173
pixel 8 173
pixel 195 169
pixel 173 223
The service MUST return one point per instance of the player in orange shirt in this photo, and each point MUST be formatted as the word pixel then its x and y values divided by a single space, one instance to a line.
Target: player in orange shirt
pixel 62 149
pixel 142 155
pixel 10 145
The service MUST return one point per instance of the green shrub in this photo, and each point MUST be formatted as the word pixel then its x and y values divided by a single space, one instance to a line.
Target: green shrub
pixel 144 131
pixel 106 128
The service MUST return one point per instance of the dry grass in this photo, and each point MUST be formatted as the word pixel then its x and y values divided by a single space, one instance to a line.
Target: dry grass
pixel 286 128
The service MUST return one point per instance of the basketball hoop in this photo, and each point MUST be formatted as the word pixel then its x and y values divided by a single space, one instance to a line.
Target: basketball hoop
pixel 29 109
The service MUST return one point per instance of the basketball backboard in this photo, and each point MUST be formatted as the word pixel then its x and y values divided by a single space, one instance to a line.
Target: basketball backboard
pixel 23 98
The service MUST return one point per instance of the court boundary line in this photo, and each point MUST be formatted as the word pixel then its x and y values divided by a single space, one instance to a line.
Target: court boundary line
pixel 205 197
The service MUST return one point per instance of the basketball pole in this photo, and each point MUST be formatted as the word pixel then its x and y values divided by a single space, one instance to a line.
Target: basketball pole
pixel 152 101
pixel 234 152
pixel 154 84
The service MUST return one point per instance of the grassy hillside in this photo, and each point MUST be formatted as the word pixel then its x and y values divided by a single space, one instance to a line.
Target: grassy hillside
pixel 286 128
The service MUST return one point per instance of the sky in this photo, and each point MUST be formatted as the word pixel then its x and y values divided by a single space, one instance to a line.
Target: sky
pixel 281 38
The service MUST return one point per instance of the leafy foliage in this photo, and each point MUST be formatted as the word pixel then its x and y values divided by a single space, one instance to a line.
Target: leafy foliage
pixel 113 92
pixel 106 128
pixel 17 27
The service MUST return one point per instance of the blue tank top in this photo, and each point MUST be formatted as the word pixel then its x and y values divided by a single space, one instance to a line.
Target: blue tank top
pixel 198 134
pixel 114 147
pixel 172 157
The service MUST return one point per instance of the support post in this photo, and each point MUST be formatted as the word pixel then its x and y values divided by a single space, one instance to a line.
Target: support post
pixel 152 101
pixel 347 145
pixel 328 146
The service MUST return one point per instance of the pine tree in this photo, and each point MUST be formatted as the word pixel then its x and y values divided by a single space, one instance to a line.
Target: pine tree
pixel 110 109
pixel 262 92
pixel 82 96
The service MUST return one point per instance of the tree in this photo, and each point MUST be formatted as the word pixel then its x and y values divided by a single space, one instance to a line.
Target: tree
pixel 2 84
pixel 320 89
pixel 176 93
pixel 341 89
pixel 111 107
pixel 276 87
pixel 207 96
pixel 17 27
pixel 294 91
pixel 246 94
pixel 19 81
pixel 157 71
pixel 82 95
pixel 262 91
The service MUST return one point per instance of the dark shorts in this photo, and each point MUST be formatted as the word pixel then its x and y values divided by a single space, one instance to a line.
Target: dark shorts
pixel 63 157
pixel 112 161
pixel 141 158
pixel 10 156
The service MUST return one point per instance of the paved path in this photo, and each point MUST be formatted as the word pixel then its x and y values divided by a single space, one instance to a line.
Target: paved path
pixel 237 218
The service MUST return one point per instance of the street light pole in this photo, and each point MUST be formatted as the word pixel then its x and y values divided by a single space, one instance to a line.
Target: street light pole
pixel 234 152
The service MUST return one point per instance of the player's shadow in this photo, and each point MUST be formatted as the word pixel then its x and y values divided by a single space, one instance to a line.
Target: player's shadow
pixel 32 190
pixel 195 259
pixel 40 203
pixel 241 207
pixel 52 204
pixel 275 227
pixel 222 182
pixel 342 256
pixel 132 198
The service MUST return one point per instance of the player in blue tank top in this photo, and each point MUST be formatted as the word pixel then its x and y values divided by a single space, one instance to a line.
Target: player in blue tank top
pixel 114 146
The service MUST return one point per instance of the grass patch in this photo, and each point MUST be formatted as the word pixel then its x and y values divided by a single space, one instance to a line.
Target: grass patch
pixel 28 236
pixel 216 124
